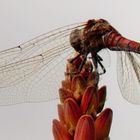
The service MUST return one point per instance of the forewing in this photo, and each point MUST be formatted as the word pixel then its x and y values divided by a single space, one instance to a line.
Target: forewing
pixel 128 69
pixel 36 45
pixel 32 72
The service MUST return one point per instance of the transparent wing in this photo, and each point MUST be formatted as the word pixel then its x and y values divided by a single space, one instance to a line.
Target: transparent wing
pixel 36 45
pixel 32 72
pixel 128 68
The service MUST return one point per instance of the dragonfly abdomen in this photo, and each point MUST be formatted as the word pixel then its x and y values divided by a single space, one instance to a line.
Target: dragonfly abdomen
pixel 115 41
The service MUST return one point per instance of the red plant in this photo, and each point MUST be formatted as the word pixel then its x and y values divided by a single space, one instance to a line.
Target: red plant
pixel 80 112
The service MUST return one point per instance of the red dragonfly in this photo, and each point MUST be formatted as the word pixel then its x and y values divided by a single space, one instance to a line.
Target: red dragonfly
pixel 32 71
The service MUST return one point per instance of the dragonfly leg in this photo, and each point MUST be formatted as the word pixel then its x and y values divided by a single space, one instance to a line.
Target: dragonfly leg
pixel 99 59
pixel 81 64
pixel 94 60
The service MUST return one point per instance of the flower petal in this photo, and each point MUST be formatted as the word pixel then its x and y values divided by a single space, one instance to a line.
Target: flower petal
pixel 72 113
pixel 78 86
pixel 85 129
pixel 89 103
pixel 103 124
pixel 60 108
pixel 64 94
pixel 93 78
pixel 60 132
pixel 102 97
pixel 66 84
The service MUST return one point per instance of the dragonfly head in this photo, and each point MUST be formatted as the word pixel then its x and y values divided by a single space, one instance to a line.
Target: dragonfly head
pixel 76 40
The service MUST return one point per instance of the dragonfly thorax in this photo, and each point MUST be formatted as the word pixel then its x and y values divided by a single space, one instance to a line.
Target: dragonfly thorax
pixel 90 38
pixel 85 42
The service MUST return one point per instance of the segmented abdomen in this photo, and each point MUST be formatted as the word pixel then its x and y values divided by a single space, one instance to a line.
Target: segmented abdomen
pixel 115 41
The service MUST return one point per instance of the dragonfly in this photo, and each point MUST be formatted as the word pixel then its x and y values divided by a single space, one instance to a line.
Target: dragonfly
pixel 32 71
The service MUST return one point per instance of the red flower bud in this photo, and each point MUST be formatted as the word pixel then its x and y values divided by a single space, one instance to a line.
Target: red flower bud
pixel 60 108
pixel 85 129
pixel 102 97
pixel 64 94
pixel 59 131
pixel 103 124
pixel 78 86
pixel 93 78
pixel 66 84
pixel 72 113
pixel 89 103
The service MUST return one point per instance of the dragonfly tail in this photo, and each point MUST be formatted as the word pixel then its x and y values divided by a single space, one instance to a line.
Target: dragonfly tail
pixel 115 41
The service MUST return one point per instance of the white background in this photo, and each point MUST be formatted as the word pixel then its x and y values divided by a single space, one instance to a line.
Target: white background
pixel 21 20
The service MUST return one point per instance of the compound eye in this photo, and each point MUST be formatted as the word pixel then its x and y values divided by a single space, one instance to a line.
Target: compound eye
pixel 75 40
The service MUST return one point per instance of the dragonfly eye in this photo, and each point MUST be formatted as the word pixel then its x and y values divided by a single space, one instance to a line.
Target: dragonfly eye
pixel 75 40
